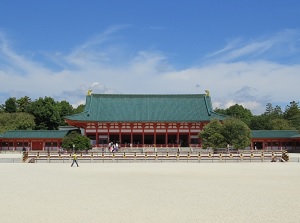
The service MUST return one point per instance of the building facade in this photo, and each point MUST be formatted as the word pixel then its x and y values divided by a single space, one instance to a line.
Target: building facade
pixel 276 140
pixel 141 121
pixel 145 120
pixel 41 140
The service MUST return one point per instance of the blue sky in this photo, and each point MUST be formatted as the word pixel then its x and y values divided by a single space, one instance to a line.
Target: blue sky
pixel 245 52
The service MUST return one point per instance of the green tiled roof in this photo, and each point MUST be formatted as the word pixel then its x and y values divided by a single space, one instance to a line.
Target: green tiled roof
pixel 147 108
pixel 35 134
pixel 274 133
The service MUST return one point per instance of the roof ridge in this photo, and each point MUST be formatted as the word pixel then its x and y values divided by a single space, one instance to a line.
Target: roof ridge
pixel 152 95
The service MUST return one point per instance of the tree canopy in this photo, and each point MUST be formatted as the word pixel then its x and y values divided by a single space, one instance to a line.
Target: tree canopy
pixel 233 132
pixel 64 109
pixel 50 114
pixel 41 114
pixel 212 135
pixel 236 133
pixel 10 105
pixel 16 121
pixel 45 112
pixel 76 141
pixel 272 119
pixel 292 114
pixel 23 103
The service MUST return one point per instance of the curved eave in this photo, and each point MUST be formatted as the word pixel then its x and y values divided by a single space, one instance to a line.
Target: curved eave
pixel 218 116
pixel 77 117
pixel 135 121
pixel 296 136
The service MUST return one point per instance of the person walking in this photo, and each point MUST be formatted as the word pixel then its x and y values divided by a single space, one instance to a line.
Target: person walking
pixel 75 160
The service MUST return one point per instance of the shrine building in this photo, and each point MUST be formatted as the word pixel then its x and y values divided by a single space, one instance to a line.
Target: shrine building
pixel 161 120
pixel 143 120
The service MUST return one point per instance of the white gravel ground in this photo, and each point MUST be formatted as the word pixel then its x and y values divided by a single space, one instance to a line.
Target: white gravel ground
pixel 150 192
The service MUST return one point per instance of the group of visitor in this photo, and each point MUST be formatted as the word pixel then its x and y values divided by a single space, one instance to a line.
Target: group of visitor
pixel 113 147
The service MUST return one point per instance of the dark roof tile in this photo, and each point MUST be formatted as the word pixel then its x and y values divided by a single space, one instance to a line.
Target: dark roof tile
pixel 274 133
pixel 147 108
pixel 35 134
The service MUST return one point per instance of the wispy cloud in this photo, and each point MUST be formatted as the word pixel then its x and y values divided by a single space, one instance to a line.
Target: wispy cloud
pixel 95 50
pixel 285 42
pixel 242 72
pixel 9 58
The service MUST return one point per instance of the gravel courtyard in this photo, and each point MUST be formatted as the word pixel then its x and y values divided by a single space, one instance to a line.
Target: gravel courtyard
pixel 150 192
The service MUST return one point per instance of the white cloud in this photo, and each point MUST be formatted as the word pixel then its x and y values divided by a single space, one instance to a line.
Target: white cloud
pixel 226 73
pixel 281 43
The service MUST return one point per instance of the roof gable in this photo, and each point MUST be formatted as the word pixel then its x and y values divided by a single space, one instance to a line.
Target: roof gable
pixel 147 108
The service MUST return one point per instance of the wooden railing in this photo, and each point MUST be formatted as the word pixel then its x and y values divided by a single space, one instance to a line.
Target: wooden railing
pixel 237 156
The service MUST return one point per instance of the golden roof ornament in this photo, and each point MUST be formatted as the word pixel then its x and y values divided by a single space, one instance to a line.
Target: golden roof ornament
pixel 89 92
pixel 207 93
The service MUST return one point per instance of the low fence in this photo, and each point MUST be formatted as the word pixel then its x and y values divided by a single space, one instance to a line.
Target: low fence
pixel 245 156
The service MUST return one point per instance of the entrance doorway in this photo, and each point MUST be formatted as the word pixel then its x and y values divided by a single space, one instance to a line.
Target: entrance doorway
pixel 258 145
pixel 37 145
pixel 148 139
pixel 160 139
pixel 184 140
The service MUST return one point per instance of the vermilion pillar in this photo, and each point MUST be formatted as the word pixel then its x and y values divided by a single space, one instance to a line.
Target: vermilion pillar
pixel 97 134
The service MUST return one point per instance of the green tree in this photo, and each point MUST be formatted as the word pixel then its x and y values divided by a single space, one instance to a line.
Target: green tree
pixel 10 105
pixel 273 113
pixel 236 133
pixel 79 109
pixel 23 103
pixel 271 119
pixel 292 114
pixel 46 113
pixel 233 132
pixel 277 112
pixel 269 109
pixel 65 109
pixel 221 111
pixel 16 121
pixel 79 141
pixel 238 111
pixel 212 135
pixel 6 123
pixel 260 122
pixel 24 121
pixel 2 108
pixel 281 124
